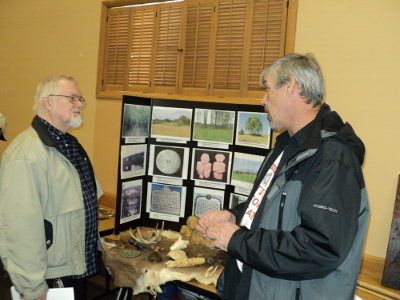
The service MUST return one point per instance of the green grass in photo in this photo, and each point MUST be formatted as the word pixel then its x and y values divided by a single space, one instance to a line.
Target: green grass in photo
pixel 213 134
pixel 171 129
pixel 244 177
pixel 247 138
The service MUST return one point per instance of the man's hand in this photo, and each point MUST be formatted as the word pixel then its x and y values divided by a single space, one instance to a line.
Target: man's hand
pixel 44 297
pixel 221 233
pixel 218 226
pixel 211 218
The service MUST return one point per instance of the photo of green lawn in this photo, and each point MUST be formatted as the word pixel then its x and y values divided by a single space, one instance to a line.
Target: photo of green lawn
pixel 171 122
pixel 245 168
pixel 244 177
pixel 172 129
pixel 248 138
pixel 214 126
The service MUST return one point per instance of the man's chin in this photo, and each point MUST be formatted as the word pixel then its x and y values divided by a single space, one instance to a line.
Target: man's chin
pixel 76 122
pixel 274 126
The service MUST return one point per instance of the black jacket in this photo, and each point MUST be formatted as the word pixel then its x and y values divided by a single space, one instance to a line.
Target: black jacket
pixel 307 236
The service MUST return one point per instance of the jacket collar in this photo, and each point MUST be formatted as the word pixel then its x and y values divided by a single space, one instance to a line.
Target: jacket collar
pixel 313 139
pixel 44 135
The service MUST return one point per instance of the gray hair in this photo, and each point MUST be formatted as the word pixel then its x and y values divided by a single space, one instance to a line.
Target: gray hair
pixel 305 70
pixel 49 85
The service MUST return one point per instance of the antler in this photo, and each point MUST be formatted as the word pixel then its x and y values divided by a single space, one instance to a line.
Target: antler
pixel 153 238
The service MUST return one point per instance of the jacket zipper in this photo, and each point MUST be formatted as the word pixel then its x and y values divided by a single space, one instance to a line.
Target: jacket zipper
pixel 281 207
pixel 298 294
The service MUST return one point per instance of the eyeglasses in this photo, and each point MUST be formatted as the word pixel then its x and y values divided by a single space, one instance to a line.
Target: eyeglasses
pixel 72 99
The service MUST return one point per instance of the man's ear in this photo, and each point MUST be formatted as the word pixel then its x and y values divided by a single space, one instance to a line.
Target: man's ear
pixel 47 103
pixel 291 85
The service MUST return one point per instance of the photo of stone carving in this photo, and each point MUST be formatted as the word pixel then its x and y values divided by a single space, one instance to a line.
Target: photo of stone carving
pixel 205 200
pixel 203 166
pixel 165 199
pixel 211 165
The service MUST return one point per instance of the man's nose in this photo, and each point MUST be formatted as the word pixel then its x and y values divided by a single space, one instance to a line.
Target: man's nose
pixel 264 100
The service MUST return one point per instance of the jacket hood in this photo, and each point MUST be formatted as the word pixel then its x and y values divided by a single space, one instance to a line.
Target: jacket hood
pixel 332 126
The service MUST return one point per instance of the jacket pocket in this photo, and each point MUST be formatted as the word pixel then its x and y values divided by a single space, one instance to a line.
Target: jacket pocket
pixel 281 208
pixel 48 231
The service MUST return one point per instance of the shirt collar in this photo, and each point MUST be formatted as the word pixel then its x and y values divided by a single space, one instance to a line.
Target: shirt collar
pixel 56 134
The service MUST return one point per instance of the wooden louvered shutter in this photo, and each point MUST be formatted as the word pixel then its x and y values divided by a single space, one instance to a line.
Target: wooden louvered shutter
pixel 229 47
pixel 194 47
pixel 267 37
pixel 117 49
pixel 196 67
pixel 168 47
pixel 142 45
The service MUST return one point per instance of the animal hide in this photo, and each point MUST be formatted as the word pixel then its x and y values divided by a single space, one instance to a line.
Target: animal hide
pixel 144 276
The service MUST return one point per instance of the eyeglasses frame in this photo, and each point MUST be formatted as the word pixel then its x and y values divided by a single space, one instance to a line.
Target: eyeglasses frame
pixel 72 99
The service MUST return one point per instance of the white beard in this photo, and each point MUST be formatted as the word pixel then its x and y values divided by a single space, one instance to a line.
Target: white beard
pixel 76 121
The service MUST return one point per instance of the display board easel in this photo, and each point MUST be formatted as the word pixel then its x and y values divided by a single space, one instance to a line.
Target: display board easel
pixel 180 158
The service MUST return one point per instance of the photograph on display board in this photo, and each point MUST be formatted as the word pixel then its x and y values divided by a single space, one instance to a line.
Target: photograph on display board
pixel 131 199
pixel 253 130
pixel 171 122
pixel 133 160
pixel 236 199
pixel 205 200
pixel 168 161
pixel 136 120
pixel 244 170
pixel 214 125
pixel 166 199
pixel 211 165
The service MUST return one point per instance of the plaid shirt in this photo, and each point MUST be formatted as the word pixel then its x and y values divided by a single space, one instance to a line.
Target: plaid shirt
pixel 71 151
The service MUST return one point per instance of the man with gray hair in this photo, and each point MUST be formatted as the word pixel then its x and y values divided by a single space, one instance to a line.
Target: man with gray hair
pixel 49 198
pixel 301 232
pixel 3 124
pixel 6 283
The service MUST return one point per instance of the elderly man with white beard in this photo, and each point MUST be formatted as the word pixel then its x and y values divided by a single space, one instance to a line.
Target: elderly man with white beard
pixel 49 198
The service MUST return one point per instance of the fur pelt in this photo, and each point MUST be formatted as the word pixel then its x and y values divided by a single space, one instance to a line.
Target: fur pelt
pixel 144 276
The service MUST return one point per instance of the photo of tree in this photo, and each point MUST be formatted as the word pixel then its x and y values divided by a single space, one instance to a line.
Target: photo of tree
pixel 136 120
pixel 214 125
pixel 253 130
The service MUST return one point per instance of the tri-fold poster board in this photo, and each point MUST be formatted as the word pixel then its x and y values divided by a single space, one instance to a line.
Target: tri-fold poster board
pixel 180 158
pixel 391 272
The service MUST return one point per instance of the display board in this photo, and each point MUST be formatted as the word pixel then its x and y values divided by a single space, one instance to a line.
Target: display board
pixel 180 158
pixel 391 272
